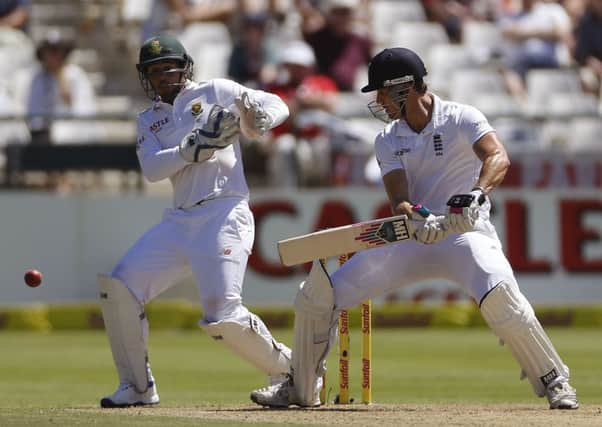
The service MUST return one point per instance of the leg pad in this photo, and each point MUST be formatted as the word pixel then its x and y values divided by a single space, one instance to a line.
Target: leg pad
pixel 511 317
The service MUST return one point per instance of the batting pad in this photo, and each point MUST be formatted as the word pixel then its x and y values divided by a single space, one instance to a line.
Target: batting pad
pixel 315 332
pixel 123 317
pixel 511 317
pixel 251 340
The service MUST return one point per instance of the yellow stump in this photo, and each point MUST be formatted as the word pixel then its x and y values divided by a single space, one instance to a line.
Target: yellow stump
pixel 343 349
pixel 344 357
pixel 367 352
pixel 323 391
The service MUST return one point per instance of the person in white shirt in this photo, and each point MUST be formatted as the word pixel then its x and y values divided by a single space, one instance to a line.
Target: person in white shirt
pixel 190 135
pixel 446 157
pixel 55 87
pixel 536 37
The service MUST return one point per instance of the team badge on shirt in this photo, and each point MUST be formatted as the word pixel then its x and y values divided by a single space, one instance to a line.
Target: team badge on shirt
pixel 196 108
pixel 437 144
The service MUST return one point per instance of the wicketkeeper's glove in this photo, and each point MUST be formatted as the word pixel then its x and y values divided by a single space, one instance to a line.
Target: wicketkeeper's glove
pixel 254 121
pixel 220 131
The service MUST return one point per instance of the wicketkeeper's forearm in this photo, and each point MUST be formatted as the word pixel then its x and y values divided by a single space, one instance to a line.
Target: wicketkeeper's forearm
pixel 161 164
pixel 276 109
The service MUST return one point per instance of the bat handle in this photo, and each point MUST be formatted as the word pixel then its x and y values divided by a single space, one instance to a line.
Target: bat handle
pixel 421 210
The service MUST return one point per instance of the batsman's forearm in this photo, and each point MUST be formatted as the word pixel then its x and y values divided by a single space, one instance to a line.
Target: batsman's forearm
pixel 493 170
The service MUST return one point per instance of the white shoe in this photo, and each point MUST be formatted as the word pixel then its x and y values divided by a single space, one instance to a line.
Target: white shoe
pixel 279 396
pixel 126 395
pixel 561 395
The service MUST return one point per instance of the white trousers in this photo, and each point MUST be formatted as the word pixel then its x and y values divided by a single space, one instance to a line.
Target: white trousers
pixel 474 260
pixel 213 241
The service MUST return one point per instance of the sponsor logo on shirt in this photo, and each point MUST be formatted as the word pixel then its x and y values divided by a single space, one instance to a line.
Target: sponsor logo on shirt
pixel 437 144
pixel 139 142
pixel 156 127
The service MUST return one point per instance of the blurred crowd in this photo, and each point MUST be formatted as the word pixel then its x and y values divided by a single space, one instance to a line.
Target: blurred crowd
pixel 534 67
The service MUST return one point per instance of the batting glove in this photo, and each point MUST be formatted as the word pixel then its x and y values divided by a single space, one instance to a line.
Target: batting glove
pixel 219 131
pixel 464 210
pixel 432 228
pixel 254 121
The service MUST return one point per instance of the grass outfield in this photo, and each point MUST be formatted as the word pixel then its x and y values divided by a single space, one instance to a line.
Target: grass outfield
pixel 58 378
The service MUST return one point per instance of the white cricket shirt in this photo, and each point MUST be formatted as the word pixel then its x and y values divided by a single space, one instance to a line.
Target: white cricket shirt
pixel 439 161
pixel 162 127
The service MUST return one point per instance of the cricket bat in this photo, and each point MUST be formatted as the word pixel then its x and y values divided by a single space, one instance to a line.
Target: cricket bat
pixel 346 239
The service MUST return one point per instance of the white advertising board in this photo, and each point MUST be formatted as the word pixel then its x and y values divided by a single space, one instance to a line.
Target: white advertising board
pixel 553 239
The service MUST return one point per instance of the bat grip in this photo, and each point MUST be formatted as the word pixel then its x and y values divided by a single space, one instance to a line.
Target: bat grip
pixel 421 210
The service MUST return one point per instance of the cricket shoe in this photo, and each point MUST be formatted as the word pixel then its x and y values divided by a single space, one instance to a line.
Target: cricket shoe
pixel 127 395
pixel 276 379
pixel 280 395
pixel 561 395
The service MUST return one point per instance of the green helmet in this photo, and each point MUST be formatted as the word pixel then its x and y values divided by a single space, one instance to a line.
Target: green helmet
pixel 158 48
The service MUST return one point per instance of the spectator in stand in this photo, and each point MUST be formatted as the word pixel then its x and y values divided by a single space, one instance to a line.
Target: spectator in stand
pixel 186 12
pixel 300 150
pixel 536 37
pixel 15 14
pixel 16 47
pixel 588 46
pixel 54 87
pixel 452 14
pixel 340 52
pixel 11 131
pixel 253 54
pixel 575 9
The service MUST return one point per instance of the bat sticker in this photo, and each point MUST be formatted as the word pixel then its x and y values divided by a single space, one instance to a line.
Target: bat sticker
pixel 386 232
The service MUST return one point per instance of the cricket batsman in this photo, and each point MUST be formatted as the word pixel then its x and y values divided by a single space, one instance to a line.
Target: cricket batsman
pixel 446 157
pixel 190 135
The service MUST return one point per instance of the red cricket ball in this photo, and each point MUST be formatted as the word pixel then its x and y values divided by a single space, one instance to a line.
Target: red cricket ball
pixel 33 278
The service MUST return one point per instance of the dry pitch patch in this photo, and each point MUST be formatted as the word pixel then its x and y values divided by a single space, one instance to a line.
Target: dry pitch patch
pixel 388 415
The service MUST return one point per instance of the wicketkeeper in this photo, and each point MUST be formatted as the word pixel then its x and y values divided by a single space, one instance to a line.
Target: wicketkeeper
pixel 447 157
pixel 190 135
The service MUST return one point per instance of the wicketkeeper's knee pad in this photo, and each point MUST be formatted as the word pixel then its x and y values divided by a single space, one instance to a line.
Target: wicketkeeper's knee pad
pixel 248 337
pixel 126 326
pixel 513 320
pixel 315 331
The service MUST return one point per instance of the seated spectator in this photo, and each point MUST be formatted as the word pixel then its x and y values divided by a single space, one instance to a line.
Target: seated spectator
pixel 17 51
pixel 15 14
pixel 53 87
pixel 182 13
pixel 11 131
pixel 452 14
pixel 253 53
pixel 575 9
pixel 340 52
pixel 536 37
pixel 588 46
pixel 300 152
